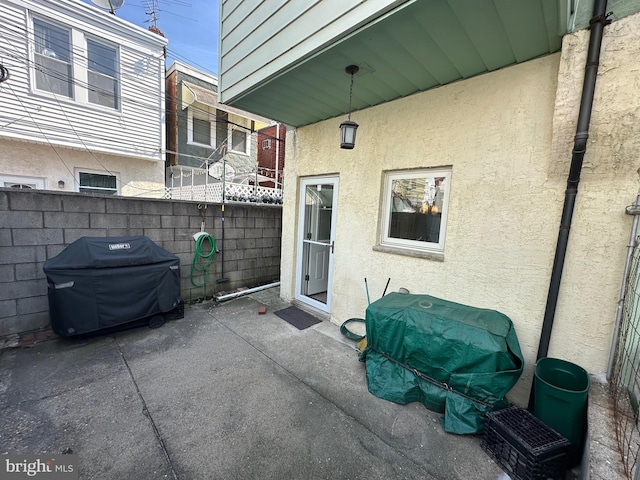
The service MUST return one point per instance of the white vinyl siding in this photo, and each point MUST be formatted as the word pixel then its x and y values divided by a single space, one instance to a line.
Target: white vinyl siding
pixel 135 127
pixel 293 31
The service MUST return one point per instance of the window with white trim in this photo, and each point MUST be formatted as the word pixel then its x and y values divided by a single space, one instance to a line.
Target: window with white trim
pixel 414 210
pixel 58 48
pixel 92 182
pixel 239 140
pixel 8 181
pixel 200 129
pixel 53 68
pixel 102 74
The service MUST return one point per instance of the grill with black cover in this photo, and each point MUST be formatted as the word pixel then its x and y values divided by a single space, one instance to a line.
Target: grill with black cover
pixel 97 283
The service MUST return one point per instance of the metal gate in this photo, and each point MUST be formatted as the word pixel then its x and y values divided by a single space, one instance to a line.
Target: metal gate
pixel 624 383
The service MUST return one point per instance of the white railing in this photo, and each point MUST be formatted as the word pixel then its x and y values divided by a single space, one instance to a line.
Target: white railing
pixel 235 192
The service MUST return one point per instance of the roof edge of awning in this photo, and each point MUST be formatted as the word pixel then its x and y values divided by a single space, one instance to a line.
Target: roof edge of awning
pixel 195 94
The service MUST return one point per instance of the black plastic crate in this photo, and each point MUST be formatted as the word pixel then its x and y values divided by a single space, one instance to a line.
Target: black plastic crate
pixel 525 447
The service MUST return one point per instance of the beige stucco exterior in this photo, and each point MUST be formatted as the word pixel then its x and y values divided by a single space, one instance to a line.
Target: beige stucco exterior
pixel 54 163
pixel 508 137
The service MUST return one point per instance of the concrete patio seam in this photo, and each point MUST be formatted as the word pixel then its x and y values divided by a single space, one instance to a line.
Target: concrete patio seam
pixel 147 413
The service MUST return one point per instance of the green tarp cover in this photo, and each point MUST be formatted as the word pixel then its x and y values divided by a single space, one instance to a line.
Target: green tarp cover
pixel 455 359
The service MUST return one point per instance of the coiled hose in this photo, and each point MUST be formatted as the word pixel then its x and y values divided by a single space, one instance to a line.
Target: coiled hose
pixel 202 261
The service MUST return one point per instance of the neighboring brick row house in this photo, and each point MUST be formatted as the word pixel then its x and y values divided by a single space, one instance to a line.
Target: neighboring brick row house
pixel 271 150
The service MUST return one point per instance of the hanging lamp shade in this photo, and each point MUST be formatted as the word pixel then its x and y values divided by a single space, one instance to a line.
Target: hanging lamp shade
pixel 348 134
pixel 348 128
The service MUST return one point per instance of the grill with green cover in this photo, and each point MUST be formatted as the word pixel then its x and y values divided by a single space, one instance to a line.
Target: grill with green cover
pixel 455 359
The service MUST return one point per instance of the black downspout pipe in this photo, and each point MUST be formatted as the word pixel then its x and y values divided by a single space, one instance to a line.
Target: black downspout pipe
pixel 597 24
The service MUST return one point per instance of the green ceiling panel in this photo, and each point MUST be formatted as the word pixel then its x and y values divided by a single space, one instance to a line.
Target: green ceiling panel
pixel 429 57
pixel 485 29
pixel 439 21
pixel 423 56
pixel 526 28
pixel 584 12
pixel 424 44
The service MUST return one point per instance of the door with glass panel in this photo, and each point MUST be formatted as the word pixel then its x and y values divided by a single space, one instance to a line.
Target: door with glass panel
pixel 316 241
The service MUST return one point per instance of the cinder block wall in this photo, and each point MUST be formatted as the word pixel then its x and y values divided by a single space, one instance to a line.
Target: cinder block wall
pixel 37 225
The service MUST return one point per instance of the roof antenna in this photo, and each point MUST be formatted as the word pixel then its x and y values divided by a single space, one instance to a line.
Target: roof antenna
pixel 153 7
pixel 111 5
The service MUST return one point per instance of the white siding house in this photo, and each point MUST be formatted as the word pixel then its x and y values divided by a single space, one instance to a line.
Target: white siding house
pixel 83 106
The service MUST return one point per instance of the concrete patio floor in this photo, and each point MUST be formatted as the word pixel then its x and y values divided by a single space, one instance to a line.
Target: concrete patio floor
pixel 224 393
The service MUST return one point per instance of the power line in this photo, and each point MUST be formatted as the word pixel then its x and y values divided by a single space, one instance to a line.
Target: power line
pixel 25 34
pixel 134 100
pixel 44 136
pixel 20 121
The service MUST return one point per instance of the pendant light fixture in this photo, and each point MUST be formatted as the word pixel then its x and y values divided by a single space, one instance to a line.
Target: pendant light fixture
pixel 348 128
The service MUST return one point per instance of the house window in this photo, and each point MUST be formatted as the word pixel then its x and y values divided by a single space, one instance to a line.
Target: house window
pixel 266 144
pixel 67 62
pixel 200 129
pixel 97 183
pixel 102 74
pixel 53 71
pixel 21 182
pixel 414 211
pixel 239 140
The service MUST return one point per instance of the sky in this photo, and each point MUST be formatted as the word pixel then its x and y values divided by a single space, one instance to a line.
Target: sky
pixel 191 26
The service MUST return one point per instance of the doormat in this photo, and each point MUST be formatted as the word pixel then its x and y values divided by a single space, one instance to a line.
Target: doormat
pixel 296 317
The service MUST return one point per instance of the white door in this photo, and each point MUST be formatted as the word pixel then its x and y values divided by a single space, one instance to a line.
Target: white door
pixel 316 243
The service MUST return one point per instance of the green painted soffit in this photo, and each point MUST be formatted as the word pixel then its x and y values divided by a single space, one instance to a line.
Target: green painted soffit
pixel 422 45
pixel 583 11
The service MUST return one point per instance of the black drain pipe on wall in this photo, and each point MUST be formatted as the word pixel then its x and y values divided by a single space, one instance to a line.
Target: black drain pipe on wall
pixel 597 24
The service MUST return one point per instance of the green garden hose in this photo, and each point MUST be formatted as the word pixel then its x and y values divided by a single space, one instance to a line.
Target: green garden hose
pixel 202 261
pixel 344 329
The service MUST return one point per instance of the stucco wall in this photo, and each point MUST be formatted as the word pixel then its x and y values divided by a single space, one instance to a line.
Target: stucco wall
pixel 507 136
pixel 138 178
pixel 609 183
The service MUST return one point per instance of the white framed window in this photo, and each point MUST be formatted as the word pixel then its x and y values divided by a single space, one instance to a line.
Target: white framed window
pixel 200 129
pixel 53 61
pixel 415 208
pixel 102 74
pixel 266 144
pixel 239 140
pixel 70 63
pixel 10 181
pixel 97 182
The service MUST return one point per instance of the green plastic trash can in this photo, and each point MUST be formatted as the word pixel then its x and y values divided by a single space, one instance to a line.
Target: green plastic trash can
pixel 561 390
